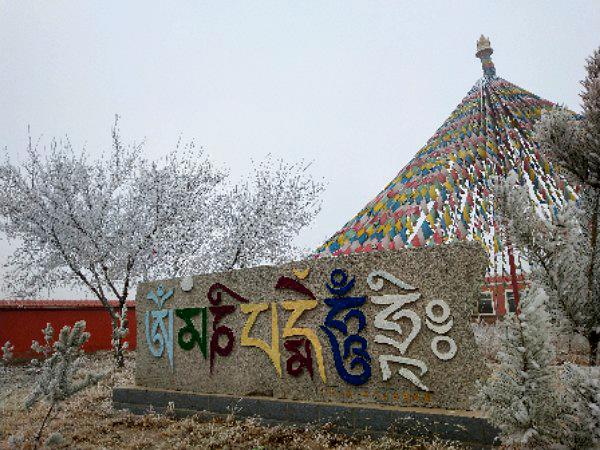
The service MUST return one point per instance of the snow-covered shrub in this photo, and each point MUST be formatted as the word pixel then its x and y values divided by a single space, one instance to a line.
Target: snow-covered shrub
pixel 582 395
pixel 44 349
pixel 520 396
pixel 59 377
pixel 488 337
pixel 7 350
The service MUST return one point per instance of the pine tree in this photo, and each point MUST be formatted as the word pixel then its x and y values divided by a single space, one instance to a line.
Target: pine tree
pixel 59 376
pixel 44 349
pixel 575 144
pixel 582 395
pixel 520 396
pixel 557 248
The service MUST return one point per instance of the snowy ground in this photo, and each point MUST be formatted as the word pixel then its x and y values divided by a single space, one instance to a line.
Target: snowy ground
pixel 88 421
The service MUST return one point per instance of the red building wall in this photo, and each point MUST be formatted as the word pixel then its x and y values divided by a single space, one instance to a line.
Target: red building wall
pixel 23 321
pixel 499 287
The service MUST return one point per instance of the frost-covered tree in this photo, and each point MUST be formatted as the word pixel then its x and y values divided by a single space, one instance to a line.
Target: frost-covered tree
pixel 529 406
pixel 557 248
pixel 44 349
pixel 582 394
pixel 108 223
pixel 60 377
pixel 264 214
pixel 488 337
pixel 575 144
pixel 520 396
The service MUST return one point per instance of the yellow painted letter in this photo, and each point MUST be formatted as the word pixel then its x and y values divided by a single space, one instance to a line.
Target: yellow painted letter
pixel 254 309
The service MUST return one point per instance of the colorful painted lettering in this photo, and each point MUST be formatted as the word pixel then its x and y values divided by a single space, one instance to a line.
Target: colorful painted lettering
pixel 188 336
pixel 159 334
pixel 215 297
pixel 354 345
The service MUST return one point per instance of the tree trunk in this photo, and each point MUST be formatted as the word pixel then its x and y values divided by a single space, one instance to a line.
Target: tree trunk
pixel 117 345
pixel 119 353
pixel 594 336
pixel 118 325
pixel 38 436
pixel 593 245
pixel 594 340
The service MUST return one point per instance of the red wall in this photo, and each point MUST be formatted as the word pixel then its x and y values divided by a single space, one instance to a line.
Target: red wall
pixel 23 321
pixel 498 286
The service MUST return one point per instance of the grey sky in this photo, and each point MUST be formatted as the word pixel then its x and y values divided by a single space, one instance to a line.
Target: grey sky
pixel 356 87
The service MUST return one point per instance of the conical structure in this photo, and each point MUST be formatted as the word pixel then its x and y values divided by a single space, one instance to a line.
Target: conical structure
pixel 443 194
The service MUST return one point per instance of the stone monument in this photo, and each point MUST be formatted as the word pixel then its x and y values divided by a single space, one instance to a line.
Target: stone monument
pixel 389 328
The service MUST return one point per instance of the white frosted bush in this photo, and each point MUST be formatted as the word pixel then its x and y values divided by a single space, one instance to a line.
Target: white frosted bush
pixel 488 337
pixel 582 386
pixel 44 349
pixel 59 377
pixel 520 396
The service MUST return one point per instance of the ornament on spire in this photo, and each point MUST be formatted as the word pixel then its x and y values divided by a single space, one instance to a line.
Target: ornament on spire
pixel 484 53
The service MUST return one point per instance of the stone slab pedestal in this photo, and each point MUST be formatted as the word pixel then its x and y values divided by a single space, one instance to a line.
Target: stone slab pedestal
pixel 376 420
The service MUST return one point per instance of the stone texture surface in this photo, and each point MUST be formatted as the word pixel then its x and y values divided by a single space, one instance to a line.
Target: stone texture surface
pixel 452 273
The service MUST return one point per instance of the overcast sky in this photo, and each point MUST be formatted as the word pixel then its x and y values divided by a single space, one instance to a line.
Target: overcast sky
pixel 355 87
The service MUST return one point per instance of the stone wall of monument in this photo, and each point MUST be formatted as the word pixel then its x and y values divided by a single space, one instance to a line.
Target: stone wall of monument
pixel 389 327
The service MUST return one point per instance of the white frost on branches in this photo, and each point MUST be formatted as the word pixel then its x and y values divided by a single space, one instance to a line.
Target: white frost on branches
pixel 563 245
pixel 532 407
pixel 265 213
pixel 59 377
pixel 575 144
pixel 582 385
pixel 520 396
pixel 109 223
pixel 555 246
pixel 46 349
pixel 489 339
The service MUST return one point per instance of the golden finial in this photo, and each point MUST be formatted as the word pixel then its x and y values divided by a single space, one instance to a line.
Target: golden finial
pixel 484 53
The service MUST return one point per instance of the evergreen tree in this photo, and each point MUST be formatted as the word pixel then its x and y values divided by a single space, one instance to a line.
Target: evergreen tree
pixel 520 396
pixel 582 395
pixel 59 377
pixel 574 142
pixel 557 249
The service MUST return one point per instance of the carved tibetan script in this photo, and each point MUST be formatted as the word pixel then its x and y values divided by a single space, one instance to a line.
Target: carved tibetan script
pixel 387 328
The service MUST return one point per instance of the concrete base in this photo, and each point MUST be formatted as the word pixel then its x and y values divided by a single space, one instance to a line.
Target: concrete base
pixel 375 420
